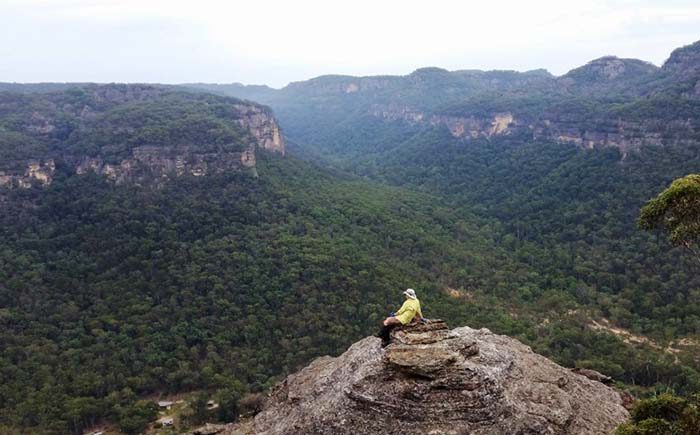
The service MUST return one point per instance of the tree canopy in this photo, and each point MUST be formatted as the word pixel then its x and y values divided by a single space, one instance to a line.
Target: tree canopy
pixel 677 211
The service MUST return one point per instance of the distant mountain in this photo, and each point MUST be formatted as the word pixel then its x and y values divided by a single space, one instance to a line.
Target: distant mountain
pixel 609 75
pixel 684 60
pixel 682 72
pixel 248 92
pixel 129 133
pixel 31 88
pixel 609 102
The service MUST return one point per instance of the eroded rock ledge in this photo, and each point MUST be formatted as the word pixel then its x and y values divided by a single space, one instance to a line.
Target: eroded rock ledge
pixel 432 380
pixel 627 136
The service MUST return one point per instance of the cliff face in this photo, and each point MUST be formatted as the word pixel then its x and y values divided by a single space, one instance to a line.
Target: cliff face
pixel 618 133
pixel 432 380
pixel 132 133
pixel 262 125
pixel 147 164
pixel 160 163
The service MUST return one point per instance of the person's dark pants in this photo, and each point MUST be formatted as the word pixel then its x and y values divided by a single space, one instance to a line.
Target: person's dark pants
pixel 385 334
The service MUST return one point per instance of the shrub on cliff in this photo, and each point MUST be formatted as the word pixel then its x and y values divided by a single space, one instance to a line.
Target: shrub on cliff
pixel 135 418
pixel 664 414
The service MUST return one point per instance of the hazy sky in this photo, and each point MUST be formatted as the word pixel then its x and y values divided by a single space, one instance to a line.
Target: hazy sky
pixel 275 42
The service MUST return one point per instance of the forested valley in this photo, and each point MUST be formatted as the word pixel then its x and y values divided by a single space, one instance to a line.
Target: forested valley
pixel 116 293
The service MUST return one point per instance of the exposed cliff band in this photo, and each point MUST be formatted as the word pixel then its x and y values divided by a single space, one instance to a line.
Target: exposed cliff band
pixel 613 133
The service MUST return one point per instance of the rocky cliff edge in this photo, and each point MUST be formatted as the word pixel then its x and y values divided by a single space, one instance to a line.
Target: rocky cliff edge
pixel 432 380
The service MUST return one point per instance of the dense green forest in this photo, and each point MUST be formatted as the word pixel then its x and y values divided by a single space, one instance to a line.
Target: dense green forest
pixel 113 292
pixel 568 213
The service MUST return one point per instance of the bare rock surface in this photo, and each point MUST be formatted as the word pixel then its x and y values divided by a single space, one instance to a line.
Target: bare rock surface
pixel 210 429
pixel 594 375
pixel 431 380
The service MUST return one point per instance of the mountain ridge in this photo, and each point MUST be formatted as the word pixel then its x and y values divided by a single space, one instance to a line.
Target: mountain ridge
pixel 609 102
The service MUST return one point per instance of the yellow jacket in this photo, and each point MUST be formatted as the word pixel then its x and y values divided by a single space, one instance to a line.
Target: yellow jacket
pixel 408 311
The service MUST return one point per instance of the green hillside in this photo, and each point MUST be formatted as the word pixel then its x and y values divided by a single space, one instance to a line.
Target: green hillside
pixel 110 293
pixel 111 120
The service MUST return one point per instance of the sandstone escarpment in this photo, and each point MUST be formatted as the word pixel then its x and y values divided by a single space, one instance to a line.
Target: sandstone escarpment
pixel 150 163
pixel 134 133
pixel 432 380
pixel 609 102
pixel 626 136
pixel 262 126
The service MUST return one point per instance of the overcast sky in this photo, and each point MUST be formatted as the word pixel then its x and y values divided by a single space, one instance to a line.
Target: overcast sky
pixel 275 42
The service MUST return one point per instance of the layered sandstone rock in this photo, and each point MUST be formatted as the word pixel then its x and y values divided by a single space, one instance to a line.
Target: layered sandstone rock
pixel 431 380
pixel 627 136
pixel 149 163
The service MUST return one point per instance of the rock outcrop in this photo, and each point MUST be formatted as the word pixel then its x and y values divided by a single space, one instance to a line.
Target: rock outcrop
pixel 149 163
pixel 262 126
pixel 431 380
pixel 37 171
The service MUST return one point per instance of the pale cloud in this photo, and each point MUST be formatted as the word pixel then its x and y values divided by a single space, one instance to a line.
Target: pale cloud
pixel 276 42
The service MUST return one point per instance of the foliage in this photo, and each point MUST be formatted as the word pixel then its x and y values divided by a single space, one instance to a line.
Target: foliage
pixel 227 282
pixel 227 399
pixel 204 283
pixel 198 410
pixel 677 211
pixel 252 403
pixel 134 418
pixel 664 414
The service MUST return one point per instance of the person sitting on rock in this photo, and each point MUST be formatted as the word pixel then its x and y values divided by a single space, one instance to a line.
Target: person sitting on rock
pixel 409 311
